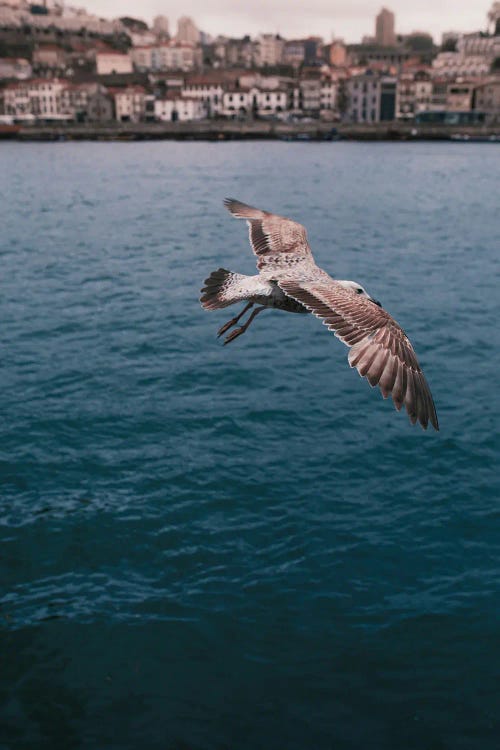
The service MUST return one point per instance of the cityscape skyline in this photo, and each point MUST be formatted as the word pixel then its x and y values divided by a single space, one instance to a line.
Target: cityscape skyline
pixel 348 20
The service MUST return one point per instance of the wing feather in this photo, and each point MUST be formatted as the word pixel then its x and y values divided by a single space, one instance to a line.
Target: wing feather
pixel 280 244
pixel 380 349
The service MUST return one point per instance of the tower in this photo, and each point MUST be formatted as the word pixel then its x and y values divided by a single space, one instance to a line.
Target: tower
pixel 187 31
pixel 384 28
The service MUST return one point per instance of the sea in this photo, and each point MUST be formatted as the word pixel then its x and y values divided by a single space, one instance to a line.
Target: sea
pixel 244 547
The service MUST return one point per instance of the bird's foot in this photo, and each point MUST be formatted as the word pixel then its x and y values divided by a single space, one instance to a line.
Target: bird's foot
pixel 234 334
pixel 227 326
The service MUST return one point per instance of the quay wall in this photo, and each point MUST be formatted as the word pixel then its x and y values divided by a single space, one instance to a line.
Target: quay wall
pixel 230 130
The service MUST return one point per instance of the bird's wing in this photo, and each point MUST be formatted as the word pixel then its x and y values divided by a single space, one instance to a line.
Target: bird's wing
pixel 381 351
pixel 280 244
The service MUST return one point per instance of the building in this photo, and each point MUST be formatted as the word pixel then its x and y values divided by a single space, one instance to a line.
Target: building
pixel 371 98
pixel 487 98
pixel 49 57
pixel 173 108
pixel 337 53
pixel 269 50
pixel 239 53
pixel 328 96
pixel 414 93
pixel 307 97
pixel 74 99
pixel 165 56
pixel 294 52
pixel 187 31
pixel 459 97
pixel 113 62
pixel 39 97
pixel 129 103
pixel 100 105
pixel 15 67
pixel 161 27
pixel 207 89
pixel 366 54
pixel 256 101
pixel 384 29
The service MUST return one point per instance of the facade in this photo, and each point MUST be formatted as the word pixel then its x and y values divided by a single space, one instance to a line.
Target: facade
pixel 187 31
pixel 487 97
pixel 269 50
pixel 307 97
pixel 474 56
pixel 384 28
pixel 113 62
pixel 39 97
pixel 239 53
pixel 364 54
pixel 161 27
pixel 328 96
pixel 371 98
pixel 294 52
pixel 206 89
pixel 459 97
pixel 74 99
pixel 100 106
pixel 414 93
pixel 241 102
pixel 175 108
pixel 165 56
pixel 49 56
pixel 337 54
pixel 15 67
pixel 129 103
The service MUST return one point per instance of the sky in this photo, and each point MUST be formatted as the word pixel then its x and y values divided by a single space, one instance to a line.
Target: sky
pixel 348 19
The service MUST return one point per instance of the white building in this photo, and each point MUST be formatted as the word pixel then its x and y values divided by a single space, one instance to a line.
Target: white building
pixel 40 97
pixel 113 62
pixel 173 108
pixel 240 102
pixel 207 89
pixel 473 57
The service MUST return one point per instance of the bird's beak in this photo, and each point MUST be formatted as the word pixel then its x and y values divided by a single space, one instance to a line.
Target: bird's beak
pixel 376 302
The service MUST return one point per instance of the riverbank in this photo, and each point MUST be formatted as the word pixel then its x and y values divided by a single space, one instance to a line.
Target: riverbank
pixel 231 130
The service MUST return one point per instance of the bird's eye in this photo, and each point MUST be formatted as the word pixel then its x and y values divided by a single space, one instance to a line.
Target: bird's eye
pixel 359 291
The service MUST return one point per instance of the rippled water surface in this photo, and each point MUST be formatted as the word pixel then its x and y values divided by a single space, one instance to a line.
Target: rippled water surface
pixel 244 547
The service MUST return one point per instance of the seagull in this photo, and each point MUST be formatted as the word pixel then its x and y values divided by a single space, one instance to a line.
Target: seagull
pixel 290 280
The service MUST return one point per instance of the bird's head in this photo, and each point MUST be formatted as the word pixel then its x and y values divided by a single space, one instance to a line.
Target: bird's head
pixel 357 289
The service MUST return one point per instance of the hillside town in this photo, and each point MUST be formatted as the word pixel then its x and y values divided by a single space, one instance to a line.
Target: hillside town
pixel 61 64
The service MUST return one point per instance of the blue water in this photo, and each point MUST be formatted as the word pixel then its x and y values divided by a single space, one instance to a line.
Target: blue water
pixel 244 547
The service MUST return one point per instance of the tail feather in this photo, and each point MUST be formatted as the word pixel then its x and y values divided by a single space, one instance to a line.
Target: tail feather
pixel 217 292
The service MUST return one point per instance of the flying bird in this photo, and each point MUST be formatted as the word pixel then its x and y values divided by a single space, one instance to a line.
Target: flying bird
pixel 290 280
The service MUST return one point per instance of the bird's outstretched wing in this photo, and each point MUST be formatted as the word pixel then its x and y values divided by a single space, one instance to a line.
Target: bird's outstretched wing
pixel 280 244
pixel 381 351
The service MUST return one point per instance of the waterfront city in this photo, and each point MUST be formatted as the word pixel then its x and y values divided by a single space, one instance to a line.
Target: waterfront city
pixel 62 65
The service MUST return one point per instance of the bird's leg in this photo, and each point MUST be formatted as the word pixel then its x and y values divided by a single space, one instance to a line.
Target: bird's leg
pixel 233 321
pixel 238 331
